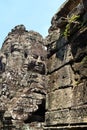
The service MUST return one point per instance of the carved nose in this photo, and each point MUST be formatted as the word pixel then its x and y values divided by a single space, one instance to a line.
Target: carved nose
pixel 39 59
pixel 26 61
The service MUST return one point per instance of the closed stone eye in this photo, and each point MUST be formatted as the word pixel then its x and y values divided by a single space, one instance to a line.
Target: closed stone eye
pixel 35 56
pixel 42 58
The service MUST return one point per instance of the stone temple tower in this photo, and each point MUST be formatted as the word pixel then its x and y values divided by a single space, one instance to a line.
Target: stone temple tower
pixel 43 82
pixel 23 82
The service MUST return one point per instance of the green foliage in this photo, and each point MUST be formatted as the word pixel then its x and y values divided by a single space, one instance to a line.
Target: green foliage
pixel 77 83
pixel 26 127
pixel 84 61
pixel 72 19
pixel 67 31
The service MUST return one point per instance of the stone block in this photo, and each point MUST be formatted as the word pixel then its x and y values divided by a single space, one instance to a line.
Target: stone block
pixel 52 37
pixel 75 115
pixel 67 97
pixel 60 58
pixel 61 22
pixel 78 10
pixel 60 78
pixel 79 44
pixel 84 4
pixel 63 11
pixel 80 94
pixel 62 98
pixel 56 45
pixel 80 67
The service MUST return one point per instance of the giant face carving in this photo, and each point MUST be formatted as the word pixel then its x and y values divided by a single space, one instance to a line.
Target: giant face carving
pixel 24 79
pixel 36 59
pixel 2 62
pixel 35 64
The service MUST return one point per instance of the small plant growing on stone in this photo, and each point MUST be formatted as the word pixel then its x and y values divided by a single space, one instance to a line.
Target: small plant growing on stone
pixel 26 127
pixel 72 19
pixel 67 31
pixel 84 61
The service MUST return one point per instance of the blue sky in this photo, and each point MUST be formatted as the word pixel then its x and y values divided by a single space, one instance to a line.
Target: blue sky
pixel 34 14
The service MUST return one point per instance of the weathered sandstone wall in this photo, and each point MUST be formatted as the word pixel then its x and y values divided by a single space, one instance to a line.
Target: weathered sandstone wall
pixel 43 82
pixel 67 68
pixel 22 80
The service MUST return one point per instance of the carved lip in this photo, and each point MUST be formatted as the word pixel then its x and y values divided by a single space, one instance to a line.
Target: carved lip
pixel 25 65
pixel 34 66
pixel 40 68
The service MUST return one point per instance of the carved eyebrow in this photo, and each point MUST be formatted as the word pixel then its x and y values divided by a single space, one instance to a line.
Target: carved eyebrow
pixel 35 56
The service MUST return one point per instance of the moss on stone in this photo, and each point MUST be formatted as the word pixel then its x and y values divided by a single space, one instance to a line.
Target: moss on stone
pixel 72 19
pixel 84 61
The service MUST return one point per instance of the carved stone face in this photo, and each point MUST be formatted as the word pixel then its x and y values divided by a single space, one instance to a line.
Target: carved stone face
pixel 2 62
pixel 23 82
pixel 16 47
pixel 15 58
pixel 36 59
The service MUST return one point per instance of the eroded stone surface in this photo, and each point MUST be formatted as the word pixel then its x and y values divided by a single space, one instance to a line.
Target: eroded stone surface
pixel 67 69
pixel 67 116
pixel 22 76
pixel 46 89
pixel 67 97
pixel 61 78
